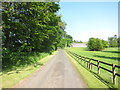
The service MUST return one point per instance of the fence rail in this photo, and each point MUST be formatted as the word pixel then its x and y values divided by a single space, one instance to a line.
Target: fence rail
pixel 90 64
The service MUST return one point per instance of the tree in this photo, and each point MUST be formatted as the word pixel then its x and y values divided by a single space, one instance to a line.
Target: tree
pixel 75 41
pixel 94 44
pixel 105 44
pixel 113 41
pixel 30 27
pixel 69 40
pixel 65 41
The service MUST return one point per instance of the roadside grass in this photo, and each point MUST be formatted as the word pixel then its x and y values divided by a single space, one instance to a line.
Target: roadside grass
pixel 11 78
pixel 89 78
pixel 109 55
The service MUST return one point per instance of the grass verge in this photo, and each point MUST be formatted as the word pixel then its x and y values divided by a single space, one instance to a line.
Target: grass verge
pixel 13 77
pixel 88 77
pixel 108 55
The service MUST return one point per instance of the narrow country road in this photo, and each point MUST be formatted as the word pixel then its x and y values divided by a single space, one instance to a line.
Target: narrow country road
pixel 57 73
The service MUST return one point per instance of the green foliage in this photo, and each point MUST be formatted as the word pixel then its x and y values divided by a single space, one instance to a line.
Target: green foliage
pixel 30 27
pixel 62 43
pixel 95 44
pixel 118 42
pixel 65 41
pixel 18 59
pixel 69 40
pixel 105 44
pixel 75 41
pixel 113 41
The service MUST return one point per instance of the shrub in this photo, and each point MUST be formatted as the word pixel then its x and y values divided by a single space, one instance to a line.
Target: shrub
pixel 95 44
pixel 105 44
pixel 113 41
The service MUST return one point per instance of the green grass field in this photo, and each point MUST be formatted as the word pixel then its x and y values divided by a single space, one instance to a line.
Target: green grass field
pixel 109 55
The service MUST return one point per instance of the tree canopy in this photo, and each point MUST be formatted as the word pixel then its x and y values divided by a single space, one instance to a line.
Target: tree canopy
pixel 32 27
pixel 113 41
pixel 95 44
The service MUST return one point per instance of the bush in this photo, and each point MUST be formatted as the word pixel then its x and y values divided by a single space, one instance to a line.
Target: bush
pixel 113 41
pixel 105 44
pixel 95 44
pixel 12 60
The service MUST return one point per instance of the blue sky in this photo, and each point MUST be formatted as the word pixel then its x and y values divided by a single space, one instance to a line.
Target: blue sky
pixel 90 19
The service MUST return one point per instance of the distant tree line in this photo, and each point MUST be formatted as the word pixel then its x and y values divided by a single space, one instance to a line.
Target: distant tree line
pixel 96 44
pixel 66 41
pixel 113 41
pixel 76 41
pixel 32 27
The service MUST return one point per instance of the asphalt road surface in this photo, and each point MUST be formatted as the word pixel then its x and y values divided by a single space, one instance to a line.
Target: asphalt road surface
pixel 57 73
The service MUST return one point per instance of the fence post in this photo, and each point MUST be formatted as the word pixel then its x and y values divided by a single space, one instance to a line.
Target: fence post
pixel 91 66
pixel 84 60
pixel 80 58
pixel 113 69
pixel 98 65
pixel 89 63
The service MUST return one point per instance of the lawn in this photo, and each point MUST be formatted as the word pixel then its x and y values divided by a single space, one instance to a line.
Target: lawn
pixel 109 55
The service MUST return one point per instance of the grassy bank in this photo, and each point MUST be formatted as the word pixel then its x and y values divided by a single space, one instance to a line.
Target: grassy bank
pixel 109 55
pixel 11 78
pixel 89 78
